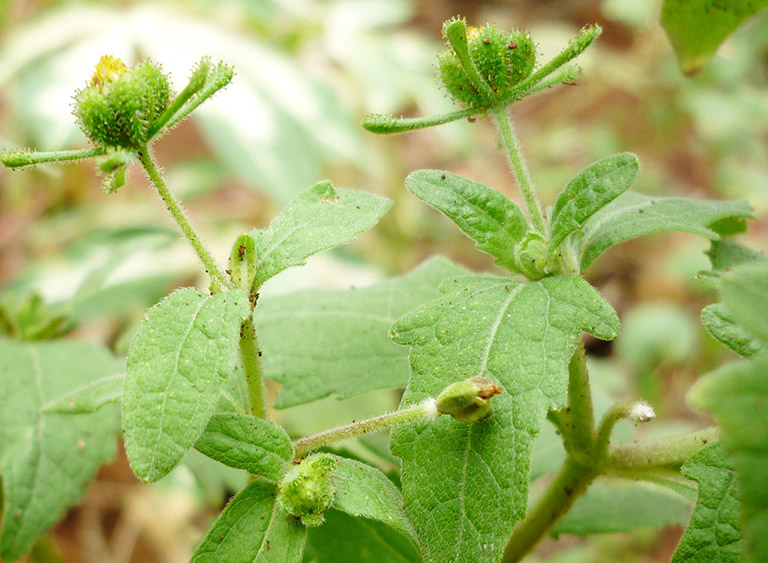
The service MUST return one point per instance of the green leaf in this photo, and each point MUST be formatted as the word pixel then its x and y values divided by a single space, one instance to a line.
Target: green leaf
pixel 735 395
pixel 745 294
pixel 343 539
pixel 318 219
pixel 726 253
pixel 46 460
pixel 89 397
pixel 631 215
pixel 246 442
pixel 713 531
pixel 591 190
pixel 178 362
pixel 363 490
pixel 723 328
pixel 622 507
pixel 484 214
pixel 321 342
pixel 697 27
pixel 253 528
pixel 466 484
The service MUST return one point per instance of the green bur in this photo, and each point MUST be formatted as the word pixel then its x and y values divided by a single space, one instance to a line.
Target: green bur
pixel 307 491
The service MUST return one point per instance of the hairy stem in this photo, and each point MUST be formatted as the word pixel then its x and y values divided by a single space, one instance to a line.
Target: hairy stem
pixel 504 126
pixel 668 452
pixel 254 377
pixel 425 410
pixel 20 158
pixel 572 480
pixel 218 280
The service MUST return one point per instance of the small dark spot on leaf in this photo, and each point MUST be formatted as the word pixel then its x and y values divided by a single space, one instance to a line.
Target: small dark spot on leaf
pixel 512 45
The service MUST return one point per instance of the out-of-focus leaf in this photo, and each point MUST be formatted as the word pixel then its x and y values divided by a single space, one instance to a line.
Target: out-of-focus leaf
pixel 721 325
pixel 713 532
pixel 90 397
pixel 46 460
pixel 697 27
pixel 622 507
pixel 344 539
pixel 319 342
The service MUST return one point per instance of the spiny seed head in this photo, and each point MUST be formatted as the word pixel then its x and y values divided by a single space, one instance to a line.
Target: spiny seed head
pixel 502 60
pixel 306 491
pixel 118 106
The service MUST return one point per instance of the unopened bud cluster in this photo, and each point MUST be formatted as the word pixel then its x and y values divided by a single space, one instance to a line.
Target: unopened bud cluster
pixel 306 491
pixel 502 60
pixel 118 106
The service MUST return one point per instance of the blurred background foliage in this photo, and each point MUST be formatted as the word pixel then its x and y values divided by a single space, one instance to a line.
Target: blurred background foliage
pixel 307 72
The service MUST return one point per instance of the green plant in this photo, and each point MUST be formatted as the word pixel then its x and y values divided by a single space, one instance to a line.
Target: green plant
pixel 499 355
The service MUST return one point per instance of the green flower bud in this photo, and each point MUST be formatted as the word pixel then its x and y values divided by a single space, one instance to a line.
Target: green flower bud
pixel 114 165
pixel 532 256
pixel 469 400
pixel 502 61
pixel 119 105
pixel 306 491
pixel 242 262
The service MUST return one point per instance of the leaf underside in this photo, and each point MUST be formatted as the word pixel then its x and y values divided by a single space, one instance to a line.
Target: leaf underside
pixel 46 460
pixel 181 356
pixel 631 215
pixel 466 485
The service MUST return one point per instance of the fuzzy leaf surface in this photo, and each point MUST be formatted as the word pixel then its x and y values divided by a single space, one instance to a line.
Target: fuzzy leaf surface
pixel 246 442
pixel 696 29
pixel 46 460
pixel 344 539
pixel 181 356
pixel 319 218
pixel 720 324
pixel 90 397
pixel 466 484
pixel 591 190
pixel 713 531
pixel 632 215
pixel 487 216
pixel 251 528
pixel 364 491
pixel 604 508
pixel 735 396
pixel 317 343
